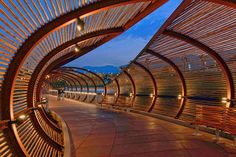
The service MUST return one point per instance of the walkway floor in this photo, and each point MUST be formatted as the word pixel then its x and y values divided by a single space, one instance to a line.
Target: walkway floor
pixel 103 133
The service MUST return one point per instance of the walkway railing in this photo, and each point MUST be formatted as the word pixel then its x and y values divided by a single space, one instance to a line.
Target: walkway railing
pixel 44 139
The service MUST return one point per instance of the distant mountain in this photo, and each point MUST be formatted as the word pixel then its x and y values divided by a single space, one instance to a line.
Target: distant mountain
pixel 104 69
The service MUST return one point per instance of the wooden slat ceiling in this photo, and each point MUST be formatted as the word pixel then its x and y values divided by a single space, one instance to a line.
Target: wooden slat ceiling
pixel 199 40
pixel 21 20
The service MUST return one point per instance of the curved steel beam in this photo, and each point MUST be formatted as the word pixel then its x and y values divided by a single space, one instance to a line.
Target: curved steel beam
pixel 75 77
pixel 71 82
pixel 33 80
pixel 68 82
pixel 95 86
pixel 181 77
pixel 220 61
pixel 99 77
pixel 96 75
pixel 134 87
pixel 78 77
pixel 57 63
pixel 69 77
pixel 153 81
pixel 86 83
pixel 118 91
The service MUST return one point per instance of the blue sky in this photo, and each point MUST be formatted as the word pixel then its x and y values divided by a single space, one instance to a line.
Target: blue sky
pixel 122 49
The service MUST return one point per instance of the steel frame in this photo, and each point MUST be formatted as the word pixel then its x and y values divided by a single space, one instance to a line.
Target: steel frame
pixel 133 85
pixel 213 54
pixel 153 81
pixel 181 77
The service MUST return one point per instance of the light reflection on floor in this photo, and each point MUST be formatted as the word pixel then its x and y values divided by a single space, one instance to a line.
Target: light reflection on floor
pixel 103 133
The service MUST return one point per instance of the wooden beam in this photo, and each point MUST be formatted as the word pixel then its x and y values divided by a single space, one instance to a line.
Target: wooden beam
pixel 229 3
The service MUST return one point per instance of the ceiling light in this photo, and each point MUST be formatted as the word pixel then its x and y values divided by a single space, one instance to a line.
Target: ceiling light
pixel 22 116
pixel 76 49
pixel 80 25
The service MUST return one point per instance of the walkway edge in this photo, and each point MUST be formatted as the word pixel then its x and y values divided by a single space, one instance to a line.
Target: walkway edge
pixel 66 136
pixel 169 119
pixel 180 122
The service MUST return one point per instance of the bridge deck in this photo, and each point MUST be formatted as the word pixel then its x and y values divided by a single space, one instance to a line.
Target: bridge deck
pixel 104 133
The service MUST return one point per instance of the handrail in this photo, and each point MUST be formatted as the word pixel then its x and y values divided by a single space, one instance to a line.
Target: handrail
pixel 66 136
pixel 47 138
pixel 48 121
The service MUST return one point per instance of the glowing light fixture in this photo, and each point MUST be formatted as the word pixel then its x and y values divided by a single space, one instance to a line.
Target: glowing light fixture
pixel 22 117
pixel 151 95
pixel 19 120
pixel 47 77
pixel 180 97
pixel 224 100
pixel 80 25
pixel 77 48
pixel 130 94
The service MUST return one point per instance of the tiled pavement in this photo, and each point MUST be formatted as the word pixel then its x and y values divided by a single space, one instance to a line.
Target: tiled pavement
pixel 104 133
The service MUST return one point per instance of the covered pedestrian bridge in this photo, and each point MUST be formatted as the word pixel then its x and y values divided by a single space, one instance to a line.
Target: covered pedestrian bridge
pixel 181 82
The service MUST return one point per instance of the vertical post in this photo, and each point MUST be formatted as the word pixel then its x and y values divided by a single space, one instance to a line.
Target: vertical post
pixel 197 131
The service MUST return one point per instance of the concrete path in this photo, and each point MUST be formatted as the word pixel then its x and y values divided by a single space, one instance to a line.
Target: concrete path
pixel 103 133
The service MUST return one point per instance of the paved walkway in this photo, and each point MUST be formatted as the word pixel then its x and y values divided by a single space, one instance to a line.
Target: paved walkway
pixel 103 133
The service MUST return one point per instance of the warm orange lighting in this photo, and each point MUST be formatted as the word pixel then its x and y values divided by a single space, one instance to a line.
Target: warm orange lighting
pixel 76 49
pixel 224 100
pixel 80 25
pixel 22 117
pixel 180 97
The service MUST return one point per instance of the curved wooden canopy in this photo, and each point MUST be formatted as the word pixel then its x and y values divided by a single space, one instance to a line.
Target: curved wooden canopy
pixel 35 32
pixel 189 62
pixel 197 43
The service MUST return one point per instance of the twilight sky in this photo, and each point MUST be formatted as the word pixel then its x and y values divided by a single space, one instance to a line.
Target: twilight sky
pixel 122 49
